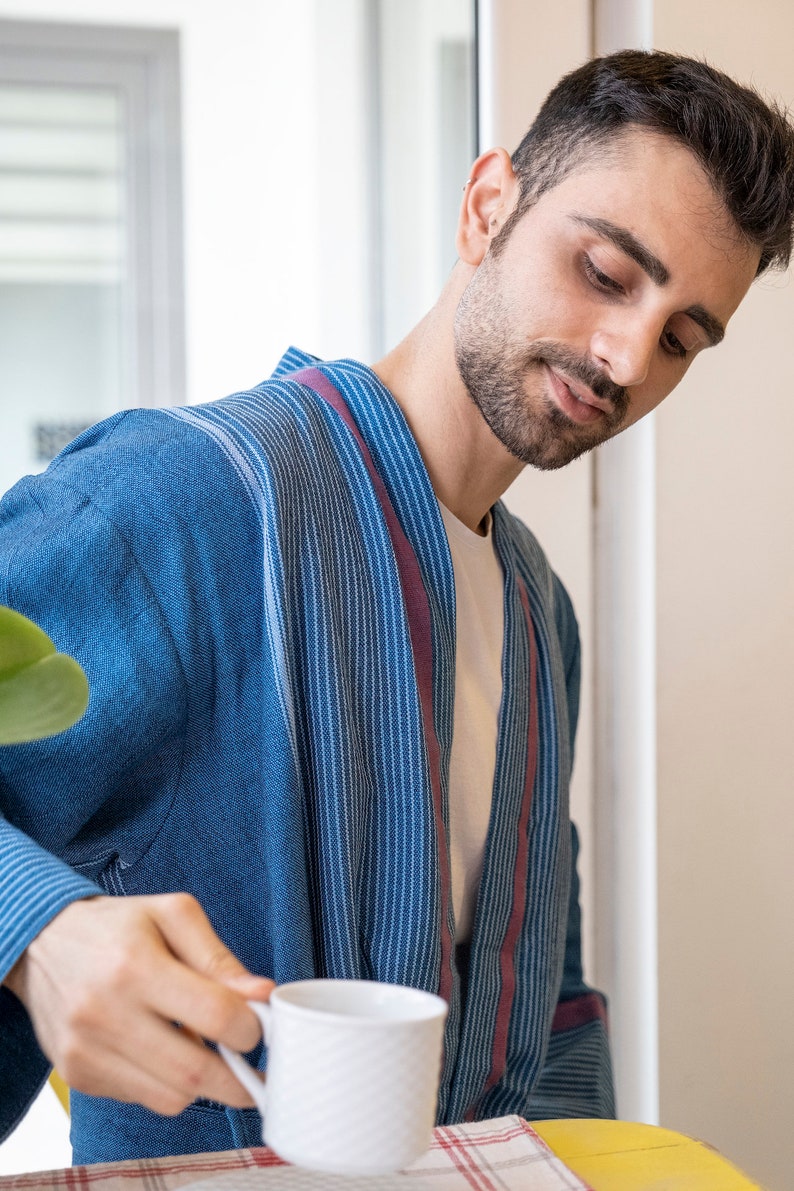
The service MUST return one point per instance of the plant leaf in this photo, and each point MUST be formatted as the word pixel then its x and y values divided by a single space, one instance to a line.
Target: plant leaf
pixel 42 699
pixel 42 692
pixel 21 642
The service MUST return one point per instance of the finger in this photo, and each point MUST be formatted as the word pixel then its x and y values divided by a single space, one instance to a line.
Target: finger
pixel 190 1067
pixel 253 988
pixel 206 987
pixel 154 1063
pixel 189 933
pixel 103 980
pixel 207 1007
pixel 130 969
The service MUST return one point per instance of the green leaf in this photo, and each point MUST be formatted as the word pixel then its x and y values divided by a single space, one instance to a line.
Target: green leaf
pixel 42 692
pixel 21 642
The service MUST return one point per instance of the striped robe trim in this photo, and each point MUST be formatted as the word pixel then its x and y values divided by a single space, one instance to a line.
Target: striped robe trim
pixel 418 612
pixel 421 643
pixel 401 948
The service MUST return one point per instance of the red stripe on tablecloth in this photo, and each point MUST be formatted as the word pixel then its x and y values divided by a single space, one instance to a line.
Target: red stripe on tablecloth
pixel 458 1154
pixel 497 1137
pixel 149 1171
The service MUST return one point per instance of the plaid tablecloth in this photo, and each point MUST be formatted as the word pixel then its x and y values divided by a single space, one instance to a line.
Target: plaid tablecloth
pixel 500 1155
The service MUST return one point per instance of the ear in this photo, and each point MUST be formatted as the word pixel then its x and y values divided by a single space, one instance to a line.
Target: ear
pixel 488 197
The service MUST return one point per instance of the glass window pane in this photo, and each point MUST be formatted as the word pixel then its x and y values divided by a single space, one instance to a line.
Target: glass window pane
pixel 427 143
pixel 27 194
pixel 92 108
pixel 62 267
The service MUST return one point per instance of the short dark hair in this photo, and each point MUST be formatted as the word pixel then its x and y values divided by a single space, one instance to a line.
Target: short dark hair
pixel 744 143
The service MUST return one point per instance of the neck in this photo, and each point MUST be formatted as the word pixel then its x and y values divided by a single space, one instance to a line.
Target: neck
pixel 468 466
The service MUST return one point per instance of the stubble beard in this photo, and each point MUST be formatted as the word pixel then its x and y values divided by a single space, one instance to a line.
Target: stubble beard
pixel 507 384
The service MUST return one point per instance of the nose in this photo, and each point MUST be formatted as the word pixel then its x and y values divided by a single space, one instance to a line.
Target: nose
pixel 625 350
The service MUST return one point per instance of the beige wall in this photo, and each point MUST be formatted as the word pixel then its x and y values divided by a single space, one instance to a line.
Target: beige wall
pixel 726 686
pixel 724 590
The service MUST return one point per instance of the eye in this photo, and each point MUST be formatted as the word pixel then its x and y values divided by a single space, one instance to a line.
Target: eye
pixel 600 280
pixel 673 345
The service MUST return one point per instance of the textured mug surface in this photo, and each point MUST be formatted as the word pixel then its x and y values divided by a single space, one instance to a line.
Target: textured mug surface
pixel 352 1074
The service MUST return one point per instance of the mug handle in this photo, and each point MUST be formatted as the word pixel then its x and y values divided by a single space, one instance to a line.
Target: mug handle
pixel 246 1074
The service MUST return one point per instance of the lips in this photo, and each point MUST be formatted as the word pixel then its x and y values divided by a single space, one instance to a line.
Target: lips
pixel 576 401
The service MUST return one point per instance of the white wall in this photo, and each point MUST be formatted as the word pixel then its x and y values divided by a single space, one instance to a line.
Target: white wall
pixel 41 1141
pixel 624 754
pixel 726 685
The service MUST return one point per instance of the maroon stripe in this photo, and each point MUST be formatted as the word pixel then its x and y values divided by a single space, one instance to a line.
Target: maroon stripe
pixel 507 955
pixel 579 1011
pixel 418 613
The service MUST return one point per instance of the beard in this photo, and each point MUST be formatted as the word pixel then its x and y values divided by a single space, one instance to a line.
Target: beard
pixel 508 384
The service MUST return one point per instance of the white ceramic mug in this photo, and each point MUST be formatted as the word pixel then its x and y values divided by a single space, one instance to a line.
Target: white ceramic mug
pixel 352 1073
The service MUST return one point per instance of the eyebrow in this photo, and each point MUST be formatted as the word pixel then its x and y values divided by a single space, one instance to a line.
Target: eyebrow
pixel 627 242
pixel 714 329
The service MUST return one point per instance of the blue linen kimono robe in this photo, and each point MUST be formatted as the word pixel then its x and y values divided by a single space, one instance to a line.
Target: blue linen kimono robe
pixel 261 593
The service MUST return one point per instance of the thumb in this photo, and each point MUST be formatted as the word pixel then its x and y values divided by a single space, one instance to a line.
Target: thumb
pixel 191 938
pixel 253 988
pixel 222 965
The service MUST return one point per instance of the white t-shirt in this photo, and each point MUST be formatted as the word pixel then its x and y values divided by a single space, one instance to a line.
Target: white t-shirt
pixel 479 601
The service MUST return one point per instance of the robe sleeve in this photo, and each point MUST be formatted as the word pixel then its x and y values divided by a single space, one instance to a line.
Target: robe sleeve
pixel 576 1079
pixel 65 565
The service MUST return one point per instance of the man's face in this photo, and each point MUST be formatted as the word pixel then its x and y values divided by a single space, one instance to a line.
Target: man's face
pixel 598 300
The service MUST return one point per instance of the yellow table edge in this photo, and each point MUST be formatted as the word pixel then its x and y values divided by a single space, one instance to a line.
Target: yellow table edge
pixel 626 1156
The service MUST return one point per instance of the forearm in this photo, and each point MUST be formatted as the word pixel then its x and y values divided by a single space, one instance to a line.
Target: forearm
pixel 34 887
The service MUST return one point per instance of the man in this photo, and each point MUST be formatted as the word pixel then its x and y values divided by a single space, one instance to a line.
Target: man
pixel 349 746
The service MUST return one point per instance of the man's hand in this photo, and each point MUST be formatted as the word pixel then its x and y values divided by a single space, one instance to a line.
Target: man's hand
pixel 108 979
